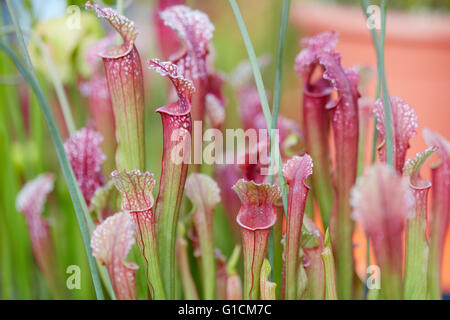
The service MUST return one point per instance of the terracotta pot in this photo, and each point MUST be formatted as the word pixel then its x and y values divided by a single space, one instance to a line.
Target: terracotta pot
pixel 417 62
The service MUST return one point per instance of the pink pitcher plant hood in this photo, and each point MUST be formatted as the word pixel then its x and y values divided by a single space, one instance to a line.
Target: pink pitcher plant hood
pixel 256 216
pixel 382 202
pixel 440 215
pixel 204 194
pixel 412 167
pixel 183 86
pixel 136 188
pixel 168 40
pixel 295 171
pixel 86 158
pixel 111 242
pixel 417 249
pixel 30 201
pixel 195 30
pixel 344 119
pixel 404 124
pixel 125 81
pixel 177 130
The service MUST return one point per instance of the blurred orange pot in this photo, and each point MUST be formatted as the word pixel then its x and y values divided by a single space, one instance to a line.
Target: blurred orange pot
pixel 417 60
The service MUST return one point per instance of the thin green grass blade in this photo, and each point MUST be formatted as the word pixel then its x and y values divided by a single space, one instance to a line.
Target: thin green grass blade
pixel 379 47
pixel 253 62
pixel 275 112
pixel 279 70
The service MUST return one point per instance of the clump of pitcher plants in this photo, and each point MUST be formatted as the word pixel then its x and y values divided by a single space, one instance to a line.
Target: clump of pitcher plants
pixel 158 232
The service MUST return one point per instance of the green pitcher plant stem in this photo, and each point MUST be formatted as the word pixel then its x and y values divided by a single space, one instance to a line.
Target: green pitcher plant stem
pixel 135 189
pixel 295 171
pixel 126 87
pixel 267 287
pixel 204 193
pixel 330 273
pixel 440 195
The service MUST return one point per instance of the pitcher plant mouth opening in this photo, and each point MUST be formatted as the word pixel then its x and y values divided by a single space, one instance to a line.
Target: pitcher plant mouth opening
pixel 256 216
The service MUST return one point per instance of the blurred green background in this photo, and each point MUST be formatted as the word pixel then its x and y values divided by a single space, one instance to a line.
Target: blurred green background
pixel 25 146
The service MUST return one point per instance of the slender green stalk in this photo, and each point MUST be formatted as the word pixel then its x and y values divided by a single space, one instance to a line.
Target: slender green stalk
pixel 204 194
pixel 267 287
pixel 379 47
pixel 330 274
pixel 275 111
pixel 75 193
pixel 279 71
pixel 417 251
